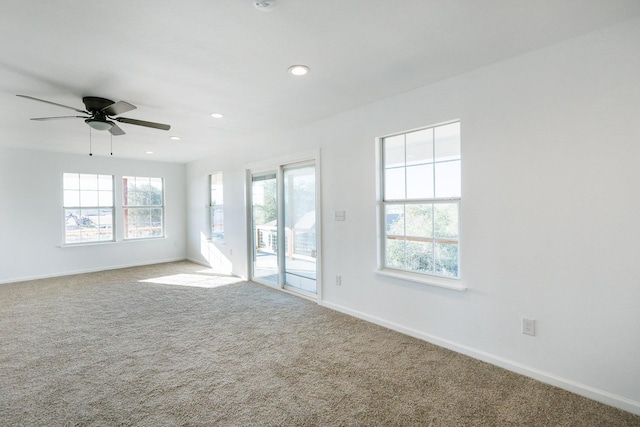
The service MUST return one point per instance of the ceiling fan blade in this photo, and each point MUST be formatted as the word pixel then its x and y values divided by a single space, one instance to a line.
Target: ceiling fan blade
pixel 142 123
pixel 116 130
pixel 118 108
pixel 53 103
pixel 58 117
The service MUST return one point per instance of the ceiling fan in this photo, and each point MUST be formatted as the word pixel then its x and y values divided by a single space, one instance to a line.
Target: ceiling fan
pixel 99 114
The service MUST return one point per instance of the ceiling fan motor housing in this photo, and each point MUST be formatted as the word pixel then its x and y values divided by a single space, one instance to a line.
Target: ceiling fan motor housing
pixel 94 103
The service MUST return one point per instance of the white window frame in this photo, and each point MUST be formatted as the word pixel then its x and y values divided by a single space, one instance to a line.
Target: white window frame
pixel 105 202
pixel 126 207
pixel 431 277
pixel 216 235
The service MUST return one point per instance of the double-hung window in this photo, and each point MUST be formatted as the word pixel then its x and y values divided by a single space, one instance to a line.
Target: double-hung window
pixel 143 207
pixel 420 203
pixel 88 208
pixel 216 206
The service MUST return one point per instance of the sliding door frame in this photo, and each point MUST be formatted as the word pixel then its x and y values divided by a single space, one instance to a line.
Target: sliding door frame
pixel 278 166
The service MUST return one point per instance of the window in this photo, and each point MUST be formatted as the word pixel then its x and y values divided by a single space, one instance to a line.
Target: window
pixel 88 208
pixel 216 205
pixel 420 204
pixel 143 207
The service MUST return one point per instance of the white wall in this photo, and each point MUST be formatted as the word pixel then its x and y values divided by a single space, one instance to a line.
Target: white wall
pixel 229 256
pixel 550 143
pixel 31 216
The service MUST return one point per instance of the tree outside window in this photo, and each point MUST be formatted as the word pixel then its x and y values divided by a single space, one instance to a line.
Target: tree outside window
pixel 143 207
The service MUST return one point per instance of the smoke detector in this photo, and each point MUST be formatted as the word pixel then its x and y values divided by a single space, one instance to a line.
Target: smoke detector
pixel 264 5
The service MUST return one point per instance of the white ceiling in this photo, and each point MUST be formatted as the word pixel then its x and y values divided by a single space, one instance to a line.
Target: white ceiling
pixel 179 61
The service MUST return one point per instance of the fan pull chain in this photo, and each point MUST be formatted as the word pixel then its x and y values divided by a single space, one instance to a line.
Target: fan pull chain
pixel 90 143
pixel 111 144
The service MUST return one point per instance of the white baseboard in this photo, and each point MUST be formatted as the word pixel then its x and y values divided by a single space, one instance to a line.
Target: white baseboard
pixel 198 261
pixel 89 270
pixel 545 377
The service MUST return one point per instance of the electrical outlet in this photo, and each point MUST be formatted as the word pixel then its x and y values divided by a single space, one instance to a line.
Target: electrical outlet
pixel 529 327
pixel 338 280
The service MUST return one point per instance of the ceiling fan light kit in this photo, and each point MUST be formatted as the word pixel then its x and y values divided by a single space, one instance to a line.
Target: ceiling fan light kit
pixel 99 124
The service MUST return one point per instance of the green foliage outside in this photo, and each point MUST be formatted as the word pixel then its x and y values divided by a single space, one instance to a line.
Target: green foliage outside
pixel 426 238
pixel 267 211
pixel 143 221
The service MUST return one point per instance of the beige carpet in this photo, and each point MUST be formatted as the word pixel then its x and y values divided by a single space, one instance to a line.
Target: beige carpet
pixel 173 344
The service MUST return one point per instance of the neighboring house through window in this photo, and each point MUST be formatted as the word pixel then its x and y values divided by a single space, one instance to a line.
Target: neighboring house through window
pixel 88 208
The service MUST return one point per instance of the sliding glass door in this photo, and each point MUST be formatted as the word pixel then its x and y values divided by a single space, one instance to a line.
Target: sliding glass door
pixel 264 219
pixel 300 227
pixel 283 227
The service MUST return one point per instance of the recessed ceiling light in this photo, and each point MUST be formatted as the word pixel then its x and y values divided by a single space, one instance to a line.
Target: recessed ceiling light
pixel 148 152
pixel 298 70
pixel 175 138
pixel 264 5
pixel 217 115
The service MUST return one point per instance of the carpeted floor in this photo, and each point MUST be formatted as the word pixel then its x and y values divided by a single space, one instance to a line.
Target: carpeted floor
pixel 174 345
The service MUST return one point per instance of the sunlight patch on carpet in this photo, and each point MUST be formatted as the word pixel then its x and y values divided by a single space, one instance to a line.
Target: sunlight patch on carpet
pixel 194 280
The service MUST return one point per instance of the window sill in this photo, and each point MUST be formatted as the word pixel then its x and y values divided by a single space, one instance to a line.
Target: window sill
pixel 441 282
pixel 82 244
pixel 142 239
pixel 109 242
